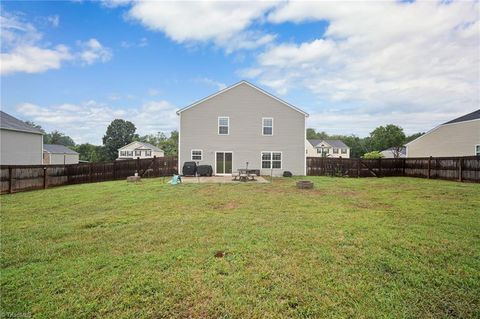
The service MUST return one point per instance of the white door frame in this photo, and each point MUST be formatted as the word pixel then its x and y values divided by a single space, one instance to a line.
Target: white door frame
pixel 215 172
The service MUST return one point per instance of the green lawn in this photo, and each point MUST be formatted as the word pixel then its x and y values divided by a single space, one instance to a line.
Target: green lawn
pixel 358 248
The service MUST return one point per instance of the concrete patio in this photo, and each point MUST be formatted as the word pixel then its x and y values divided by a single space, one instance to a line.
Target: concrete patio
pixel 219 179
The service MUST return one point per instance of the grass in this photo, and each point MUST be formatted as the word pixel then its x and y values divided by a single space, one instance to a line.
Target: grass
pixel 359 248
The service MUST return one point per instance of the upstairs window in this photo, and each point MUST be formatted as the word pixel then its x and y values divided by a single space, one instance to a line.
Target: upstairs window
pixel 138 153
pixel 267 126
pixel 148 152
pixel 223 125
pixel 335 150
pixel 344 151
pixel 196 155
pixel 271 160
pixel 129 153
pixel 123 153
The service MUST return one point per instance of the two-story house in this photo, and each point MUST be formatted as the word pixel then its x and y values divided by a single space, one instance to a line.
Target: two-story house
pixel 243 124
pixel 139 150
pixel 327 148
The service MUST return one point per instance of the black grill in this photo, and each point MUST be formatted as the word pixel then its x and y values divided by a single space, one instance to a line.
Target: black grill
pixel 189 169
pixel 204 170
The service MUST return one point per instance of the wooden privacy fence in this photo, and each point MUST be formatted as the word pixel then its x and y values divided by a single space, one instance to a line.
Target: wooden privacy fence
pixel 465 168
pixel 15 178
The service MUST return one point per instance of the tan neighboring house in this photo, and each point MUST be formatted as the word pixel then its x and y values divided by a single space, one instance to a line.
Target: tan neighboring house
pixel 54 154
pixel 327 148
pixel 393 152
pixel 243 124
pixel 20 143
pixel 458 137
pixel 139 150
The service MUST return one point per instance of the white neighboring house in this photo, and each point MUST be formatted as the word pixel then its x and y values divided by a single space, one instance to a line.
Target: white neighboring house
pixel 391 152
pixel 139 150
pixel 458 137
pixel 20 143
pixel 54 154
pixel 243 125
pixel 327 148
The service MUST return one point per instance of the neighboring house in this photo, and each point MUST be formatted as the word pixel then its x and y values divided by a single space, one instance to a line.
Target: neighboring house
pixel 327 148
pixel 139 150
pixel 394 152
pixel 241 124
pixel 20 143
pixel 58 154
pixel 458 137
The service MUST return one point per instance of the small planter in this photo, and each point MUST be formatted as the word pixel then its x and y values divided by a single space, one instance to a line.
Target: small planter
pixel 304 185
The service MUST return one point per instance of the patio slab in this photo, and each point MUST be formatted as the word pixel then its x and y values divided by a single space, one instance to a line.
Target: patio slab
pixel 219 179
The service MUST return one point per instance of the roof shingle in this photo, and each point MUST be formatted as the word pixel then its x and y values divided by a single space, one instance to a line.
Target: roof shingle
pixel 8 122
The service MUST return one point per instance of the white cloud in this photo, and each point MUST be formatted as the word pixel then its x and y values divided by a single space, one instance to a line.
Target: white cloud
pixel 386 58
pixel 88 121
pixel 23 50
pixel 190 22
pixel 216 84
pixel 92 51
pixel 142 42
pixel 54 20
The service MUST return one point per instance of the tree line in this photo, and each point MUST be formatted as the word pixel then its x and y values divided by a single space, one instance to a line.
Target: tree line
pixel 381 138
pixel 120 133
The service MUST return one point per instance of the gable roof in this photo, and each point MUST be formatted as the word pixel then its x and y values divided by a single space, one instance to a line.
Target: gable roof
pixel 237 84
pixel 333 143
pixel 8 122
pixel 57 149
pixel 475 115
pixel 146 145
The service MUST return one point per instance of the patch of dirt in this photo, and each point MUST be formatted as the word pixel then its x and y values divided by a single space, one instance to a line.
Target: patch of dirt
pixel 225 206
pixel 220 254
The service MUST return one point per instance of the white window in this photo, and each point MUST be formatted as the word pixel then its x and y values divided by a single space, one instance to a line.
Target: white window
pixel 196 155
pixel 271 160
pixel 138 153
pixel 123 153
pixel 223 125
pixel 344 151
pixel 148 152
pixel 267 126
pixel 477 150
pixel 335 150
pixel 129 153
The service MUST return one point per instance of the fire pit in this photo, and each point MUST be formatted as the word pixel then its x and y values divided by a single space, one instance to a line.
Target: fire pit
pixel 304 185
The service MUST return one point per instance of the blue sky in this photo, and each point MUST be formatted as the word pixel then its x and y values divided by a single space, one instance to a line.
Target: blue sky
pixel 75 66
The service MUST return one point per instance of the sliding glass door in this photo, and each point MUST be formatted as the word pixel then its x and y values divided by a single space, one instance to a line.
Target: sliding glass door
pixel 223 163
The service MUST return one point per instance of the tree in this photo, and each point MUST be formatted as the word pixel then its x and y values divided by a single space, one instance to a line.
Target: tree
pixel 372 155
pixel 389 136
pixel 57 137
pixel 168 144
pixel 410 138
pixel 33 124
pixel 119 133
pixel 90 153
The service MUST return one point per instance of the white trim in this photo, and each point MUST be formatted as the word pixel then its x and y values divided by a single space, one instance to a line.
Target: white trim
pixel 263 126
pixel 223 174
pixel 228 124
pixel 438 126
pixel 235 85
pixel 271 159
pixel 196 150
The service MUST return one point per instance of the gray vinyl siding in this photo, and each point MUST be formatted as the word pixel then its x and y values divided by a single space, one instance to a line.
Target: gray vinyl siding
pixel 21 148
pixel 245 106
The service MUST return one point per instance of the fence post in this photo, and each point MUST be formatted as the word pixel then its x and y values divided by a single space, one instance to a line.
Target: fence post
pixel 460 167
pixel 138 165
pixel 358 167
pixel 90 172
pixel 114 170
pixel 380 167
pixel 44 177
pixel 403 166
pixel 10 180
pixel 429 166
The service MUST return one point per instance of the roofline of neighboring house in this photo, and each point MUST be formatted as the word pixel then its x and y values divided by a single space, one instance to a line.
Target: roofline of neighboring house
pixel 60 152
pixel 23 131
pixel 146 147
pixel 235 85
pixel 325 141
pixel 437 127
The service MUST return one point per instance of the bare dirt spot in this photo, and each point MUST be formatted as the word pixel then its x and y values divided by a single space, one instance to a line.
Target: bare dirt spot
pixel 225 206
pixel 220 254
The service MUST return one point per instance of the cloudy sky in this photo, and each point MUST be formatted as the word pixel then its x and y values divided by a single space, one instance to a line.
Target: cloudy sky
pixel 75 66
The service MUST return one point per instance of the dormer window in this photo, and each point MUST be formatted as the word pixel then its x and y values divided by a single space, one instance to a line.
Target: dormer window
pixel 223 125
pixel 267 126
